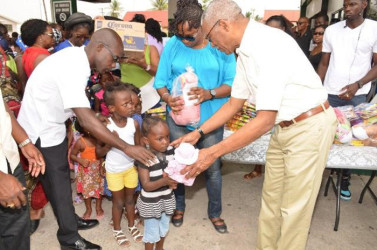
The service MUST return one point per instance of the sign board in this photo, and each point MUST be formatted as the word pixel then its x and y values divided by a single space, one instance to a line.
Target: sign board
pixel 62 9
pixel 132 34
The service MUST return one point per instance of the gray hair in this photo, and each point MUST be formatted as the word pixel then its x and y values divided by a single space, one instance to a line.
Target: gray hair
pixel 215 11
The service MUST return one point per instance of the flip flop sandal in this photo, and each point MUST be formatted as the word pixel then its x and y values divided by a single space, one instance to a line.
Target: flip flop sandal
pixel 135 233
pixel 252 175
pixel 121 238
pixel 177 222
pixel 219 228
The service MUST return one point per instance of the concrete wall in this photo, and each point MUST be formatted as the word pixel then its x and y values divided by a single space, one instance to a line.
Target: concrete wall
pixel 334 5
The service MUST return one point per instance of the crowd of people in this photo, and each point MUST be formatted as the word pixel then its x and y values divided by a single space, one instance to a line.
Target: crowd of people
pixel 73 102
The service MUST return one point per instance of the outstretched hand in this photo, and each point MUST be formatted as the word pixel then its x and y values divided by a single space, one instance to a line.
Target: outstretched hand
pixel 192 138
pixel 205 160
pixel 140 154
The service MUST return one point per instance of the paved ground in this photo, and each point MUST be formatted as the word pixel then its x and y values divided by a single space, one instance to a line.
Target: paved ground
pixel 241 204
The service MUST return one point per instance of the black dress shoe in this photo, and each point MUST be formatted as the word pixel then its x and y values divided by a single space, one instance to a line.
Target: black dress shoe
pixel 86 224
pixel 81 244
pixel 34 224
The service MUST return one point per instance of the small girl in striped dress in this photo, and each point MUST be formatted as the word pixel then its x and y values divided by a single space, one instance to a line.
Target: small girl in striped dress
pixel 156 202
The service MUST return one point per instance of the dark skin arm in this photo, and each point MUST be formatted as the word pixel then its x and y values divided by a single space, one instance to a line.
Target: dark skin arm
pixel 137 135
pixel 349 91
pixel 149 185
pixel 91 124
pixel 39 59
pixel 323 65
pixel 263 122
pixel 22 78
pixel 97 105
pixel 175 103
pixel 77 148
pixel 222 91
pixel 31 153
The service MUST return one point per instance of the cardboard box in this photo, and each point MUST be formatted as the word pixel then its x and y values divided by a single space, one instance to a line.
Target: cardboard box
pixel 132 34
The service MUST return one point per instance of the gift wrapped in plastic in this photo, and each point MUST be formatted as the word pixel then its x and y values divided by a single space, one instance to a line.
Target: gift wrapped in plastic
pixel 185 154
pixel 190 114
pixel 343 131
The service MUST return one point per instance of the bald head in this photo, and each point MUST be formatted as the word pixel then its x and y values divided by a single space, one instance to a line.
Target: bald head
pixel 302 25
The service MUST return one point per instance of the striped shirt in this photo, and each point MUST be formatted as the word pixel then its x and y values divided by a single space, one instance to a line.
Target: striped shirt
pixel 152 204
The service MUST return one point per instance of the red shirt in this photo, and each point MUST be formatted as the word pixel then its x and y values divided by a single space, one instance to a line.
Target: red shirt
pixel 29 56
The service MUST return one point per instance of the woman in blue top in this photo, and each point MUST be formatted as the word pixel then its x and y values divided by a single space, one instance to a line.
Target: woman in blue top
pixel 215 70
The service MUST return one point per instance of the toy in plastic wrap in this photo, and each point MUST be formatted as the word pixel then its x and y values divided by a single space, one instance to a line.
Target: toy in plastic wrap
pixel 184 155
pixel 343 131
pixel 190 114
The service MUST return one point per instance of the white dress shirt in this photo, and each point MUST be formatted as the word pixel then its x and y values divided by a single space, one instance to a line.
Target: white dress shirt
pixel 8 147
pixel 351 54
pixel 272 68
pixel 56 85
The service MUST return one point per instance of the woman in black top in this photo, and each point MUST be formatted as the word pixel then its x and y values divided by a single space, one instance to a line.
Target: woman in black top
pixel 316 53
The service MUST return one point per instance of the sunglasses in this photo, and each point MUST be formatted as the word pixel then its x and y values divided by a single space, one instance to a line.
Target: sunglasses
pixel 187 38
pixel 318 33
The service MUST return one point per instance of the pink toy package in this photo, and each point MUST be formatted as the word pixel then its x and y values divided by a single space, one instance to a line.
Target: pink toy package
pixel 184 155
pixel 190 114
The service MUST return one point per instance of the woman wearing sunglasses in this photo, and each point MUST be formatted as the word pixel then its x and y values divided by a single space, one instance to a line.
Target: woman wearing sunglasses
pixel 215 70
pixel 316 53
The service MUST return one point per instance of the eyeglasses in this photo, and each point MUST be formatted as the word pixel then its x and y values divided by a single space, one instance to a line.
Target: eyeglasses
pixel 207 36
pixel 116 59
pixel 318 33
pixel 187 38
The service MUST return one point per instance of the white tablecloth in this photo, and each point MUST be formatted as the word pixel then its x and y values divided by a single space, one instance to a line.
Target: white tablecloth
pixel 341 156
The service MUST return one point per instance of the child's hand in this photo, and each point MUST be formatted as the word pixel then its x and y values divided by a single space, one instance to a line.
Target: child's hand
pixel 169 181
pixel 84 162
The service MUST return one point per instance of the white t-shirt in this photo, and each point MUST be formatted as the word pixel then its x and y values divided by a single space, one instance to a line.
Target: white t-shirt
pixel 8 147
pixel 56 85
pixel 351 54
pixel 272 69
pixel 116 160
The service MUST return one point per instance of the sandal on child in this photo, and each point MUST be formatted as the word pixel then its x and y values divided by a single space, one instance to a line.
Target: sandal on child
pixel 121 238
pixel 222 228
pixel 135 233
pixel 177 222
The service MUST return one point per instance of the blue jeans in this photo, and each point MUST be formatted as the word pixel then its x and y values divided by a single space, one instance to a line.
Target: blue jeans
pixel 335 101
pixel 155 229
pixel 212 174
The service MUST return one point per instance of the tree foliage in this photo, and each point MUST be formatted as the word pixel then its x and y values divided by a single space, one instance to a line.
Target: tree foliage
pixel 115 8
pixel 160 4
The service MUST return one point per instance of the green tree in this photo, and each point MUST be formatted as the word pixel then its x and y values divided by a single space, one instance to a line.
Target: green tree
pixel 115 8
pixel 160 4
pixel 205 3
pixel 251 14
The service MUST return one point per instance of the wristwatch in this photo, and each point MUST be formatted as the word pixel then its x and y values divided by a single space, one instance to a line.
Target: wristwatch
pixel 200 131
pixel 359 84
pixel 213 93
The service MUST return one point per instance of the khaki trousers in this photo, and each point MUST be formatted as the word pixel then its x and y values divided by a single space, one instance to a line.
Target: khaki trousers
pixel 295 160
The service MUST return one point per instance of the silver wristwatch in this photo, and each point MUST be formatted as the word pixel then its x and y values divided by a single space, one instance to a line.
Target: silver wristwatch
pixel 213 93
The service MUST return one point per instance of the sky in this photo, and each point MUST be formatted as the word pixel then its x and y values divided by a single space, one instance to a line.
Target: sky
pixel 21 10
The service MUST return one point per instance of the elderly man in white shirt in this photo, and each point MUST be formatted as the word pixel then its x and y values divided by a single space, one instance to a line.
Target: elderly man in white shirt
pixel 14 213
pixel 291 100
pixel 54 92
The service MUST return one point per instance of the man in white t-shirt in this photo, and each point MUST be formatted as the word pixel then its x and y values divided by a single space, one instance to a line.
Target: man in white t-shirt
pixel 54 92
pixel 290 98
pixel 349 48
